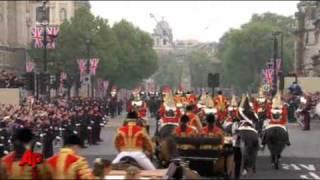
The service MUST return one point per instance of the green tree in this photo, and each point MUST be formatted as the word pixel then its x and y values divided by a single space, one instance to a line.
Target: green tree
pixel 169 72
pixel 125 52
pixel 245 51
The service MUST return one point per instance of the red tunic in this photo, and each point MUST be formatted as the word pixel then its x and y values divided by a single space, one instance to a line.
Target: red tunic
pixel 187 133
pixel 284 117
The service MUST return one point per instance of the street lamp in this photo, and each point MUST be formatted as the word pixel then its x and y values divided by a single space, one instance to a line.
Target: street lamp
pixel 88 42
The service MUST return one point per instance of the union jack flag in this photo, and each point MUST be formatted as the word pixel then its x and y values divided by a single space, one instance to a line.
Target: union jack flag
pixel 82 65
pixel 37 37
pixel 52 34
pixel 93 65
pixel 268 75
pixel 29 66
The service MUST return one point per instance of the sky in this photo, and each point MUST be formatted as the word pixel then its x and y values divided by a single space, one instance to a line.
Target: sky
pixel 205 21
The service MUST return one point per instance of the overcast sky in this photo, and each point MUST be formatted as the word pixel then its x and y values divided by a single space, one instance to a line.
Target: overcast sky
pixel 203 21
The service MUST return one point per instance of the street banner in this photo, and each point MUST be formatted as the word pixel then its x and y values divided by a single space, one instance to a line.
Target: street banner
pixel 38 36
pixel 82 65
pixel 268 75
pixel 30 66
pixel 93 65
pixel 52 34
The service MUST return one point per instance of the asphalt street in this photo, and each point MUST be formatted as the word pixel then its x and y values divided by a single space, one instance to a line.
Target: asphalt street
pixel 301 160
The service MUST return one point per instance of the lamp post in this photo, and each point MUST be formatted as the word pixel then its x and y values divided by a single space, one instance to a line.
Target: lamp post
pixel 88 65
pixel 45 23
pixel 275 57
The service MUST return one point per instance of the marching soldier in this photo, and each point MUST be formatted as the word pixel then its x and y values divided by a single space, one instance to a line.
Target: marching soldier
pixel 133 141
pixel 22 163
pixel 67 164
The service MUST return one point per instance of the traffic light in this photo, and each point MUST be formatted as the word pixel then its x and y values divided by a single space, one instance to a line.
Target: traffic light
pixel 213 80
pixel 28 81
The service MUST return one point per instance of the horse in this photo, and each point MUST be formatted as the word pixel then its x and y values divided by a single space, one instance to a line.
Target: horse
pixel 249 145
pixel 276 137
pixel 166 146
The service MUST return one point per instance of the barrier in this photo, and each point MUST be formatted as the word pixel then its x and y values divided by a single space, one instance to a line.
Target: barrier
pixel 10 96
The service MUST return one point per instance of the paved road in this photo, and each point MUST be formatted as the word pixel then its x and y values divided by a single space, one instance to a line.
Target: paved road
pixel 300 161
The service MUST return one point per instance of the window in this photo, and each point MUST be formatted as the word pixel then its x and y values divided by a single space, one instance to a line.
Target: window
pixel 164 42
pixel 63 14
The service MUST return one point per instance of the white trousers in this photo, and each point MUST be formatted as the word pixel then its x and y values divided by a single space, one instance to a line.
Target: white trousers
pixel 139 156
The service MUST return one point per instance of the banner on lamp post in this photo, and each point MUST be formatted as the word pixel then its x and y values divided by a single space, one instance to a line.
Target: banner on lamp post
pixel 30 66
pixel 82 65
pixel 93 65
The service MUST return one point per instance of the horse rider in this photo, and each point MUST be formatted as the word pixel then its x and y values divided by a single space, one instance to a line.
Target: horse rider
pixel 68 164
pixel 132 140
pixel 179 99
pixel 279 117
pixel 212 130
pixel 233 113
pixel 23 163
pixel 194 118
pixel 140 107
pixel 172 113
pixel 220 101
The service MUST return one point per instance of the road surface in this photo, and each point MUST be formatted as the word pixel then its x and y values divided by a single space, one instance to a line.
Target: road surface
pixel 301 160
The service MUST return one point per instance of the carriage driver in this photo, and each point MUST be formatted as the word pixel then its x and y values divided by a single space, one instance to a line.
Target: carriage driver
pixel 133 141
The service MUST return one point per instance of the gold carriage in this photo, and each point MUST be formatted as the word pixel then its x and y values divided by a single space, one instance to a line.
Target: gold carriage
pixel 207 156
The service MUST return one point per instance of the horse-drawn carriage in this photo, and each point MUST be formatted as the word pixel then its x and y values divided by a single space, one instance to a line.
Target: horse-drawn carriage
pixel 206 155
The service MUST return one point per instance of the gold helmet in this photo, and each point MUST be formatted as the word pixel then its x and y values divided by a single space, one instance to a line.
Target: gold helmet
pixel 233 103
pixel 276 102
pixel 169 100
pixel 209 102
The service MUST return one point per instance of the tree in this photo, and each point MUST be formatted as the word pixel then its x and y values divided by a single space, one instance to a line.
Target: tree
pixel 125 52
pixel 200 66
pixel 245 51
pixel 169 71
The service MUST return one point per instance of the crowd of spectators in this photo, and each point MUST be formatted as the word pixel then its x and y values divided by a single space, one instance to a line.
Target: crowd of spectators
pixel 9 80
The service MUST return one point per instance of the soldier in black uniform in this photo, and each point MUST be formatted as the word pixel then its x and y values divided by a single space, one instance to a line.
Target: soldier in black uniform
pixel 4 139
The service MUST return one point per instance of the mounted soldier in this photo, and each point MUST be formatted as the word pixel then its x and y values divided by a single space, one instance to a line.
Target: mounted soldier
pixel 113 103
pixel 221 103
pixel 275 132
pixel 262 108
pixel 180 100
pixel 172 113
pixel 140 107
pixel 246 139
pixel 132 141
pixel 233 115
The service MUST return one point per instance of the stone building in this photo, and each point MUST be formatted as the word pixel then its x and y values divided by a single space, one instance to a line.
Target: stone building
pixel 17 18
pixel 307 45
pixel 164 45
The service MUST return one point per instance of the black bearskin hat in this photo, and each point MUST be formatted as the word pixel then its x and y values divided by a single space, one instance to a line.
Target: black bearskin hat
pixel 210 118
pixel 23 135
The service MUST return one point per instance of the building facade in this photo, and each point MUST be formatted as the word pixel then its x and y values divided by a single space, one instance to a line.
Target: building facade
pixel 17 18
pixel 307 44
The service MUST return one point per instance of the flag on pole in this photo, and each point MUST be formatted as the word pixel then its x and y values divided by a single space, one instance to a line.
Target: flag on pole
pixel 82 65
pixel 30 66
pixel 52 34
pixel 37 37
pixel 93 65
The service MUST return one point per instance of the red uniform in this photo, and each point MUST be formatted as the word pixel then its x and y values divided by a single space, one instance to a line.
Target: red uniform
pixel 194 121
pixel 68 165
pixel 132 137
pixel 221 103
pixel 141 110
pixel 174 119
pixel 214 132
pixel 30 166
pixel 189 131
pixel 284 117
